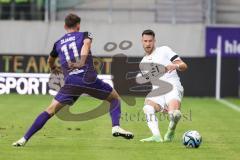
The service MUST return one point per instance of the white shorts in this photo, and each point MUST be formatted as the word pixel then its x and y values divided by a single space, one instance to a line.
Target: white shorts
pixel 175 94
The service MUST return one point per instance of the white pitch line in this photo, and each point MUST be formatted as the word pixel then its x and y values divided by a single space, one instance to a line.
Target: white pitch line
pixel 229 104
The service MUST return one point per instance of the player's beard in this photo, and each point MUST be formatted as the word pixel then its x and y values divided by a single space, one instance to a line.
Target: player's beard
pixel 149 50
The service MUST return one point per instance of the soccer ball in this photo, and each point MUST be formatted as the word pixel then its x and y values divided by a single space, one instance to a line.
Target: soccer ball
pixel 192 139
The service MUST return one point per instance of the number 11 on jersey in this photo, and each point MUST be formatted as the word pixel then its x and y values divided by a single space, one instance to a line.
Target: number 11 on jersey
pixel 72 46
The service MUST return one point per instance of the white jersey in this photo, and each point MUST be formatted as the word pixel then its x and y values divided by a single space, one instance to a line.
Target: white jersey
pixel 164 56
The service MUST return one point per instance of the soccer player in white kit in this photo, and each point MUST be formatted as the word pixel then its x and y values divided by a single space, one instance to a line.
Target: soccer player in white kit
pixel 171 101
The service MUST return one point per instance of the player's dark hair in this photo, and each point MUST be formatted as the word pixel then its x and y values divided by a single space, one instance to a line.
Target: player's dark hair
pixel 148 32
pixel 72 20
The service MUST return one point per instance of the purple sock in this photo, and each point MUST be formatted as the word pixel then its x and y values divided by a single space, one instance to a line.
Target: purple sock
pixel 115 111
pixel 37 125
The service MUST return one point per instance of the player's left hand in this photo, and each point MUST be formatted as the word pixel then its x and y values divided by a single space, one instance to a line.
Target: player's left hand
pixel 169 68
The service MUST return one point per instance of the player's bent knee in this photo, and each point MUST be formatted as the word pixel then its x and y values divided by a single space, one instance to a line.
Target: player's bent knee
pixel 148 109
pixel 113 95
pixel 54 107
pixel 174 105
pixel 156 106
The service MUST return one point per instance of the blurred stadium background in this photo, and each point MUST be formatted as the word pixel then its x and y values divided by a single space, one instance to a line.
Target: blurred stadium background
pixel 196 29
pixel 28 29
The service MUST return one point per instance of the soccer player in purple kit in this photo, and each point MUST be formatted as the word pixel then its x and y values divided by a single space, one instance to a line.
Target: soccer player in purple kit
pixel 73 50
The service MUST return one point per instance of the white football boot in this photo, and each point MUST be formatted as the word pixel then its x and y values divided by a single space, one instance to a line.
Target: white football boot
pixel 118 131
pixel 20 143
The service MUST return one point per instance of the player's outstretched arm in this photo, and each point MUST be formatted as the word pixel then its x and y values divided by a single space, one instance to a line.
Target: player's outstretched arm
pixel 178 65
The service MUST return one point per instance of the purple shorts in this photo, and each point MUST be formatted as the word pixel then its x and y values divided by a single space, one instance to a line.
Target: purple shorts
pixel 75 86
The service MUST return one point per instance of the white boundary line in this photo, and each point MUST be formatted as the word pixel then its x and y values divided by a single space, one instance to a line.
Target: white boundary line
pixel 229 104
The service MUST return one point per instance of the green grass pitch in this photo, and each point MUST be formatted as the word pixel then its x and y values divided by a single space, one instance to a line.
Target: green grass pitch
pixel 90 140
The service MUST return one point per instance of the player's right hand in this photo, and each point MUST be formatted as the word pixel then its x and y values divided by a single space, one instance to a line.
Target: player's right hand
pixel 169 68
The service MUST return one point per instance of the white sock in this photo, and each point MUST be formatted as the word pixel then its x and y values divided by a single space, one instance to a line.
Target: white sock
pixel 174 117
pixel 152 120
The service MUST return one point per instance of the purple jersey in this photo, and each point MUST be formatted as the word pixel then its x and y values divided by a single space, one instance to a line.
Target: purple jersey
pixel 68 48
pixel 78 81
